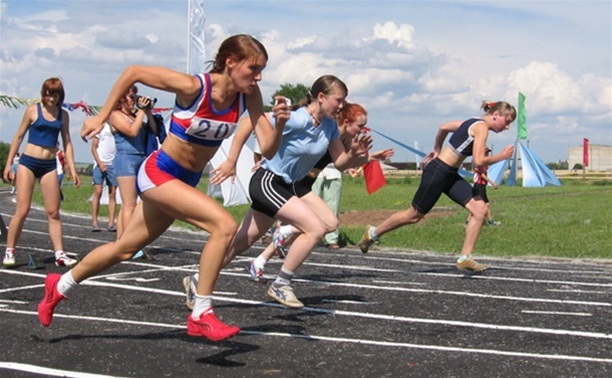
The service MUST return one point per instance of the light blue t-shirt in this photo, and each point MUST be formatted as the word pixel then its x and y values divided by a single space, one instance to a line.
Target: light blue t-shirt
pixel 302 146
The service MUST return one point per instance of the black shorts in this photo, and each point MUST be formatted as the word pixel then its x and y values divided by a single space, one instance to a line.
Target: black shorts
pixel 269 192
pixel 480 190
pixel 439 177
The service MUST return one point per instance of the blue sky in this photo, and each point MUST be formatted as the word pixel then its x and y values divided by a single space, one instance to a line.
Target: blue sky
pixel 413 64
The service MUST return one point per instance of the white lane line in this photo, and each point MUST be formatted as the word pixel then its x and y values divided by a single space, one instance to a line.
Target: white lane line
pixel 399 283
pixel 605 273
pixel 20 288
pixel 344 301
pixel 360 286
pixel 579 291
pixel 557 313
pixel 362 268
pixel 444 322
pixel 49 371
pixel 461 349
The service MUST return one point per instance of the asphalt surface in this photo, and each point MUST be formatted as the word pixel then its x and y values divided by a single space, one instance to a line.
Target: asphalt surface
pixel 387 313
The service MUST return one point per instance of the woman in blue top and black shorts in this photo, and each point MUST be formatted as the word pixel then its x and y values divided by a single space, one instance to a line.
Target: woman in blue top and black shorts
pixel 44 122
pixel 310 132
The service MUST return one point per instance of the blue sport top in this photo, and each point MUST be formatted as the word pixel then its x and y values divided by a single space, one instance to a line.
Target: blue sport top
pixel 43 132
pixel 302 146
pixel 461 142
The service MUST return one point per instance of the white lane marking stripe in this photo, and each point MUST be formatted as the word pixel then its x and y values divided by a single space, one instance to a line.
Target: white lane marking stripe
pixel 361 286
pixel 556 313
pixel 445 322
pixel 49 371
pixel 346 340
pixel 475 276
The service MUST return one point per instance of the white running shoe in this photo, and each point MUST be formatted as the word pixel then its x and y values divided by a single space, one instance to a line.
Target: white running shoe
pixel 9 259
pixel 285 295
pixel 62 259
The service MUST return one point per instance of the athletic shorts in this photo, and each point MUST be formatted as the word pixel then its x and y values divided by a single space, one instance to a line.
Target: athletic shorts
pixel 439 177
pixel 39 167
pixel 303 186
pixel 479 190
pixel 108 177
pixel 159 168
pixel 269 192
pixel 127 165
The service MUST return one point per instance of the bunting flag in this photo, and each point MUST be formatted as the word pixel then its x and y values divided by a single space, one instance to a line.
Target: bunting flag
pixel 90 110
pixel 374 176
pixel 522 118
pixel 585 152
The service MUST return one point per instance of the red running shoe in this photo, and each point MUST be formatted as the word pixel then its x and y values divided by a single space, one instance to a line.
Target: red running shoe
pixel 50 300
pixel 211 327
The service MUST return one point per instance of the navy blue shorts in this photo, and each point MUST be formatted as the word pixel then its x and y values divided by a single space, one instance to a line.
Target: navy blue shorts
pixel 39 167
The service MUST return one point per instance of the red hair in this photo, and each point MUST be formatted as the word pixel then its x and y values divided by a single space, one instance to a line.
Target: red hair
pixel 51 86
pixel 350 112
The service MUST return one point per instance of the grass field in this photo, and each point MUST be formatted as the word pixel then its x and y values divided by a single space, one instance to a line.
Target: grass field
pixel 572 221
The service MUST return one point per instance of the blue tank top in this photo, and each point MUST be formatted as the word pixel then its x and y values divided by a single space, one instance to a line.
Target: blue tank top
pixel 126 145
pixel 461 142
pixel 44 133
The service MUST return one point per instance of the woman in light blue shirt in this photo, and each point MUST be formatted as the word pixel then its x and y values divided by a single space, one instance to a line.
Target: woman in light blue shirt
pixel 309 133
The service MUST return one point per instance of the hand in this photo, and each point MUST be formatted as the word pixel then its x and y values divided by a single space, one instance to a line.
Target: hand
pixel 7 175
pixel 102 167
pixel 361 144
pixel 281 109
pixel 507 152
pixel 226 170
pixel 429 157
pixel 256 166
pixel 77 180
pixel 382 154
pixel 495 186
pixel 354 173
pixel 91 127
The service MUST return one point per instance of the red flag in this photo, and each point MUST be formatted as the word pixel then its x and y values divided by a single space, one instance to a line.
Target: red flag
pixel 585 152
pixel 374 177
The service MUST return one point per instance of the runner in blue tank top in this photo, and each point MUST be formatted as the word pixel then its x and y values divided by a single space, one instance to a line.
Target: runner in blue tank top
pixel 440 175
pixel 44 122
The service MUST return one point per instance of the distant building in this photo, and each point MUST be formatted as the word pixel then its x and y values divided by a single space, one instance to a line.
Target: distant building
pixel 600 157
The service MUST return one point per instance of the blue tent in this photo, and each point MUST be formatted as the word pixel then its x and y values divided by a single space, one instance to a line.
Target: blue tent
pixel 535 173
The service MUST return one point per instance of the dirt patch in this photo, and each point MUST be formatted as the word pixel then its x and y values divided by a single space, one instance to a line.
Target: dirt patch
pixel 365 217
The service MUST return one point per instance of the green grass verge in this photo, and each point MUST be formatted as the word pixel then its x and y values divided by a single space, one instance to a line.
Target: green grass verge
pixel 571 221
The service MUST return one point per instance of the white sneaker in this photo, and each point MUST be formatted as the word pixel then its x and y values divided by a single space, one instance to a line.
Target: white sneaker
pixel 285 295
pixel 9 259
pixel 62 259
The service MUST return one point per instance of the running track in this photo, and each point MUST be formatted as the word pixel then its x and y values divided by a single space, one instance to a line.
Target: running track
pixel 387 313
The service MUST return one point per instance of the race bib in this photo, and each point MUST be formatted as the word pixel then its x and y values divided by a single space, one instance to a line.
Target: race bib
pixel 208 129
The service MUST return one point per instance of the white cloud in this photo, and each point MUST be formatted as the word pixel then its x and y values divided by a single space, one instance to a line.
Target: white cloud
pixel 413 67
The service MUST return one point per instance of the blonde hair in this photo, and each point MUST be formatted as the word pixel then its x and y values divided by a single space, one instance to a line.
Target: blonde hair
pixel 502 107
